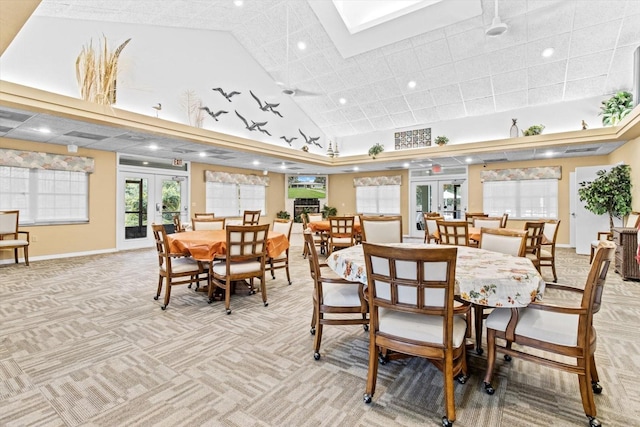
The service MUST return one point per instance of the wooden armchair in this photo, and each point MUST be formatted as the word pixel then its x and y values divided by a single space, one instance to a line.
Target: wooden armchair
pixel 553 330
pixel 431 227
pixel 341 233
pixel 548 246
pixel 10 235
pixel 281 260
pixel 453 232
pixel 535 233
pixel 207 223
pixel 251 217
pixel 206 215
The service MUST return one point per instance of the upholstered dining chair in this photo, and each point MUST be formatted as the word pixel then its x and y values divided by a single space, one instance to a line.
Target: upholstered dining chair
pixel 510 242
pixel 535 233
pixel 633 221
pixel 341 233
pixel 281 260
pixel 430 227
pixel 245 258
pixel 453 232
pixel 411 305
pixel 487 222
pixel 10 235
pixel 178 227
pixel 313 217
pixel 319 238
pixel 381 229
pixel 468 216
pixel 545 331
pixel 336 301
pixel 251 218
pixel 204 215
pixel 207 224
pixel 548 246
pixel 173 269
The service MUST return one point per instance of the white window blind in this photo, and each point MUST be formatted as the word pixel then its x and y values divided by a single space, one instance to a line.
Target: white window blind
pixel 526 199
pixel 378 199
pixel 229 199
pixel 45 196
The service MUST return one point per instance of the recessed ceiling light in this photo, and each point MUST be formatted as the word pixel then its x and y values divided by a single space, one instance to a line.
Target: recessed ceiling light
pixel 548 52
pixel 549 154
pixel 283 166
pixel 202 154
pixel 145 163
pixel 355 168
pixel 238 2
pixel 405 165
pixel 44 130
pixel 411 84
pixel 468 160
pixel 256 163
pixel 342 101
pixel 302 45
pixel 153 146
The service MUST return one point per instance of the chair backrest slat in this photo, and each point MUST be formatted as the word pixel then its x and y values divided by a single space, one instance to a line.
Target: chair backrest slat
pixel 246 242
pixel 251 217
pixel 453 232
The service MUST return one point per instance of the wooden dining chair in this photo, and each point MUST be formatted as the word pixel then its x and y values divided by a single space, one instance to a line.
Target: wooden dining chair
pixel 487 222
pixel 206 215
pixel 633 221
pixel 281 260
pixel 336 301
pixel 251 218
pixel 245 258
pixel 548 246
pixel 509 242
pixel 453 232
pixel 10 235
pixel 549 334
pixel 207 224
pixel 381 229
pixel 505 219
pixel 468 216
pixel 430 227
pixel 411 305
pixel 313 217
pixel 173 269
pixel 535 233
pixel 178 227
pixel 341 233
pixel 319 238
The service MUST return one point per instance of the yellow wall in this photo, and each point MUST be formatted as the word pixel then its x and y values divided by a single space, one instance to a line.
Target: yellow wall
pixel 630 155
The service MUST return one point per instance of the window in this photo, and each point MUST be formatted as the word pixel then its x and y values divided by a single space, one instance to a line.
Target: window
pixel 228 199
pixel 378 199
pixel 45 196
pixel 524 199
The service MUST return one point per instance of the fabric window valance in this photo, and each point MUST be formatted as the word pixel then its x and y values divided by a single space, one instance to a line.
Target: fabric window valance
pixel 36 160
pixel 546 172
pixel 235 178
pixel 369 181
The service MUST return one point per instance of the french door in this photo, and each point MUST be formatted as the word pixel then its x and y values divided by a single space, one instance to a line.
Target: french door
pixel 446 196
pixel 147 198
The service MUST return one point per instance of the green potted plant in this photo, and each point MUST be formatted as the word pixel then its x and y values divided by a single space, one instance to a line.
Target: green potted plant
pixel 441 140
pixel 328 211
pixel 283 215
pixel 615 108
pixel 533 130
pixel 376 149
pixel 609 193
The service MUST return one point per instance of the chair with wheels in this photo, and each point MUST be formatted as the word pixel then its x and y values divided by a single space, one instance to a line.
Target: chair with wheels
pixel 281 260
pixel 548 246
pixel 341 233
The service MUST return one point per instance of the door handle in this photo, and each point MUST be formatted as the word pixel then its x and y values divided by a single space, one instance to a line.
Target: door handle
pixel 158 207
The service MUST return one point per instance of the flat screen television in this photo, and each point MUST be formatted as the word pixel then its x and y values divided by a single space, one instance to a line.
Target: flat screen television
pixel 307 187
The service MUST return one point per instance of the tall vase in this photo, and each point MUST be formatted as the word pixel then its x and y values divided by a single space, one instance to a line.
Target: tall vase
pixel 514 129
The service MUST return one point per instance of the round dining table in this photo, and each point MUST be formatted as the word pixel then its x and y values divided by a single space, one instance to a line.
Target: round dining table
pixel 483 277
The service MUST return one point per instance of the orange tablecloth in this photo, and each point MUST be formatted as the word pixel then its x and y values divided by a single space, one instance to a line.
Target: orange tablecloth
pixel 203 245
pixel 318 226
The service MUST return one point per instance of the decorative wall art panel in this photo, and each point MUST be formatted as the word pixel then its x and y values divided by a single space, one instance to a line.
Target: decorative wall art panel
pixel 416 138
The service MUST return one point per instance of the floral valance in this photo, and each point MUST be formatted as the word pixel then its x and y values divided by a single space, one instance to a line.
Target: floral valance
pixel 35 160
pixel 367 181
pixel 546 172
pixel 235 178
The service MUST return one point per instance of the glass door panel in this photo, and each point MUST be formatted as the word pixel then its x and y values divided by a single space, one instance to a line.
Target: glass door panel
pixel 135 208
pixel 446 197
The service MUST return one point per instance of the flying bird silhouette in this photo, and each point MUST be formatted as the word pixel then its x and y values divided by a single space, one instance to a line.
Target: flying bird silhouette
pixel 254 125
pixel 212 114
pixel 267 106
pixel 263 130
pixel 311 140
pixel 226 95
pixel 288 140
pixel 157 108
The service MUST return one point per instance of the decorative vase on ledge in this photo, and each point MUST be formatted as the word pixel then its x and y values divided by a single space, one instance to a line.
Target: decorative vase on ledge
pixel 514 129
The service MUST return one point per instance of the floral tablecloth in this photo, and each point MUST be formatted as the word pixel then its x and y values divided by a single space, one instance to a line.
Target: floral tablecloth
pixel 482 277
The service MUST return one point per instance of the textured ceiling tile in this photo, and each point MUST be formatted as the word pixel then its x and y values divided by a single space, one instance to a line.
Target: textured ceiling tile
pixel 515 36
pixel 451 111
pixel 331 82
pixel 468 44
pixel 395 105
pixel 383 122
pixel 433 54
pixel 463 26
pixel 595 38
pixel 419 100
pixel 336 60
pixel 589 13
pixel 480 106
pixel 353 113
pixel 426 115
pixel 353 76
pixel 362 126
pixel 317 64
pixel 440 76
pixel 559 43
pixel 374 109
pixel 478 88
pixel 364 94
pixel 403 62
pixel 549 22
pixel 399 46
pixel 511 101
pixel 427 37
pixel 633 7
pixel 386 88
pixel 335 117
pixel 545 94
pixel 343 129
pixel 510 82
pixel 446 95
pixel 630 33
pixel 473 68
pixel 401 120
pixel 589 65
pixel 417 77
pixel 588 87
pixel 621 73
pixel 376 69
pixel 546 74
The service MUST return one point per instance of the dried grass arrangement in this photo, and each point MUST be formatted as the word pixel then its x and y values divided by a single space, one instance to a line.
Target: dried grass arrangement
pixel 193 105
pixel 97 72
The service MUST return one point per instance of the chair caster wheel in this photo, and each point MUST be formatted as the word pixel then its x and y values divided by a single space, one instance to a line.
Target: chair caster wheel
pixel 266 304
pixel 383 360
pixel 164 307
pixel 446 422
pixel 156 297
pixel 316 355
pixel 312 331
pixel 597 388
pixel 189 286
pixel 593 422
pixel 507 358
pixel 210 300
pixel 366 398
pixel 365 327
pixel 228 311
pixel 488 388
pixel 289 283
pixel 479 351
pixel 462 378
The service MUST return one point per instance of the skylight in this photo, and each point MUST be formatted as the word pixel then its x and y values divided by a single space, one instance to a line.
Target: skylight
pixel 359 15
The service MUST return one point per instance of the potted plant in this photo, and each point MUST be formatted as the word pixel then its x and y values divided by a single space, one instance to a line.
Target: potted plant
pixel 441 140
pixel 533 130
pixel 615 108
pixel 328 211
pixel 283 215
pixel 609 193
pixel 376 149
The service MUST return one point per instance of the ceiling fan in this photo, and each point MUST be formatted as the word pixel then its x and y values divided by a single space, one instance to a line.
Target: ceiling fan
pixel 287 89
pixel 497 26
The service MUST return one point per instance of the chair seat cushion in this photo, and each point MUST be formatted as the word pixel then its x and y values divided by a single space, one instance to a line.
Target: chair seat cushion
pixel 420 327
pixel 220 267
pixel 341 294
pixel 545 253
pixel 183 265
pixel 13 242
pixel 557 328
pixel 341 240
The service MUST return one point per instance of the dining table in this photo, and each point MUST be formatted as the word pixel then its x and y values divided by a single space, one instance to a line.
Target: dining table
pixel 324 226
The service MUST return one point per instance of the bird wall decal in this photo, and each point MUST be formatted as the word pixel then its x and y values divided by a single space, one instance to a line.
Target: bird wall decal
pixel 267 106
pixel 157 108
pixel 289 140
pixel 212 114
pixel 254 125
pixel 226 95
pixel 310 141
